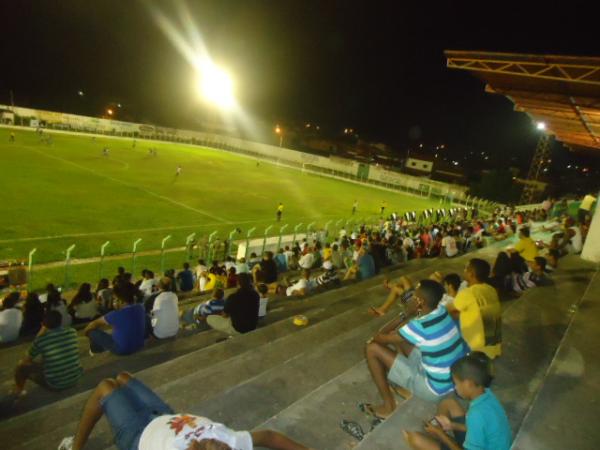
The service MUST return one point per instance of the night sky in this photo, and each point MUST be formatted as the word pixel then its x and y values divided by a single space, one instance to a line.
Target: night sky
pixel 375 66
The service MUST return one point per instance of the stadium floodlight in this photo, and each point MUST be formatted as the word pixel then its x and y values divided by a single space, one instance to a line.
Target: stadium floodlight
pixel 109 111
pixel 216 85
pixel 541 126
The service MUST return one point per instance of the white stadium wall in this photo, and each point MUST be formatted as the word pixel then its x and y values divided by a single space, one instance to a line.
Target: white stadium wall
pixel 334 165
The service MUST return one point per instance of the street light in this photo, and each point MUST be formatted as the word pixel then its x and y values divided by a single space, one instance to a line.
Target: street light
pixel 109 111
pixel 541 126
pixel 279 132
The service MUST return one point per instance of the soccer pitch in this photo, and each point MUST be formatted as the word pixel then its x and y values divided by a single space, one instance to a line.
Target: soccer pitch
pixel 70 193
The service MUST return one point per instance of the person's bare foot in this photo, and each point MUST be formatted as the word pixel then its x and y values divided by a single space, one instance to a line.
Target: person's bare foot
pixel 401 392
pixel 382 411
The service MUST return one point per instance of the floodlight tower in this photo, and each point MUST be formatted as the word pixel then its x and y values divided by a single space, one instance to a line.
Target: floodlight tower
pixel 540 158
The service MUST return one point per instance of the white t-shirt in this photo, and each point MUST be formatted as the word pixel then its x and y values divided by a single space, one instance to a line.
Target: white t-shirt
pixel 449 243
pixel 66 317
pixel 177 432
pixel 446 299
pixel 165 315
pixel 262 309
pixel 147 285
pixel 576 241
pixel 298 285
pixel 307 261
pixel 87 310
pixel 10 324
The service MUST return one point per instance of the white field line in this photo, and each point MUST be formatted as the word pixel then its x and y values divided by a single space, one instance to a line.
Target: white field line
pixel 143 230
pixel 130 185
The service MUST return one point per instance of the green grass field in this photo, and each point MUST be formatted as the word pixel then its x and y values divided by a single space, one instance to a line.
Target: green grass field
pixel 68 193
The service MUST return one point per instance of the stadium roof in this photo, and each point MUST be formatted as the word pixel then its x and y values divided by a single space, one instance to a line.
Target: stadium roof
pixel 561 91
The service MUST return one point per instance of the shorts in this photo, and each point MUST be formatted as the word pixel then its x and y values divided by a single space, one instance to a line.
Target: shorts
pixel 459 436
pixel 409 373
pixel 129 409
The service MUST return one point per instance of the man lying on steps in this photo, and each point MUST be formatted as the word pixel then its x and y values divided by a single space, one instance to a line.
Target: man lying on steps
pixel 415 351
pixel 140 420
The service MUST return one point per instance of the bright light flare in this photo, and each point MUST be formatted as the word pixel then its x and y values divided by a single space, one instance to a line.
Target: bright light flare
pixel 541 126
pixel 216 86
pixel 109 112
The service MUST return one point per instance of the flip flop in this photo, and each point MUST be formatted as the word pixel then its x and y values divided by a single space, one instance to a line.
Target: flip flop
pixel 353 429
pixel 401 392
pixel 373 311
pixel 367 408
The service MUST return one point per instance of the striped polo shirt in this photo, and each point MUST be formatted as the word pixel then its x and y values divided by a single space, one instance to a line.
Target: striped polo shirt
pixel 438 338
pixel 60 352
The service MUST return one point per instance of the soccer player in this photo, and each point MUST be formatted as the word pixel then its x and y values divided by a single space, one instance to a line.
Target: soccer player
pixel 383 205
pixel 354 207
pixel 279 211
pixel 105 152
pixel 178 171
pixel 11 138
pixel 133 145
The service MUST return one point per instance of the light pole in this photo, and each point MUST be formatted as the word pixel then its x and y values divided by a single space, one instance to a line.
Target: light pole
pixel 279 132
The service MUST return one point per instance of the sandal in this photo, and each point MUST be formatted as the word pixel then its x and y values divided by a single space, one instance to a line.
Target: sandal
pixel 367 408
pixel 401 392
pixel 353 429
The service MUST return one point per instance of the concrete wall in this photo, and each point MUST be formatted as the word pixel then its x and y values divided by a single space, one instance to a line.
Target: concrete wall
pixel 591 249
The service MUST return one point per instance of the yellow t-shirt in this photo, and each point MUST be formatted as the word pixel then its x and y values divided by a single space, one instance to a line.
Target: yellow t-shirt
pixel 480 318
pixel 327 251
pixel 587 202
pixel 527 248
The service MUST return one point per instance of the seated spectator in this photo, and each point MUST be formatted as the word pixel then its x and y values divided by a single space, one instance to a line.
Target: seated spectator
pixel 200 269
pixel 231 278
pixel 55 302
pixel 44 296
pixel 33 315
pixel 240 314
pixel 58 348
pixel 266 270
pixel 403 290
pixel 483 426
pixel 281 261
pixel 526 247
pixel 11 318
pixel 83 308
pixel 536 277
pixel 215 267
pixel 363 268
pixel 165 311
pixel 104 296
pixel 120 277
pixel 299 288
pixel 128 323
pixel 263 292
pixel 198 314
pixel 501 277
pixel 254 260
pixel 329 278
pixel 426 343
pixel 143 421
pixel 186 278
pixel 148 284
pixel 229 263
pixel 452 285
pixel 450 249
pixel 478 309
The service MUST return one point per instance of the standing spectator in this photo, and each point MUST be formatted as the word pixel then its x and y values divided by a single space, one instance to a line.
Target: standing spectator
pixel 281 261
pixel 83 308
pixel 33 315
pixel 241 309
pixel 58 347
pixel 165 312
pixel 478 309
pixel 128 325
pixel 104 296
pixel 585 207
pixel 186 278
pixel 11 318
pixel 241 266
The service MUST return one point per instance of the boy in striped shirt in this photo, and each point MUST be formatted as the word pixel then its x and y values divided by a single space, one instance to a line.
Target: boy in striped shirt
pixel 426 343
pixel 60 367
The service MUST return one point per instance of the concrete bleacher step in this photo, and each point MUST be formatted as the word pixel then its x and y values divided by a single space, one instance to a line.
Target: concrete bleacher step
pixel 533 327
pixel 211 356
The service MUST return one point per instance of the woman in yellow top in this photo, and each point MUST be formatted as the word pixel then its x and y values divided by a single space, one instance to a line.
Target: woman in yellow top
pixel 526 246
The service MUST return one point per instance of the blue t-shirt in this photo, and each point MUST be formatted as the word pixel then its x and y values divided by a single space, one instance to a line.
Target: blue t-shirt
pixel 438 339
pixel 128 328
pixel 186 280
pixel 487 424
pixel 366 266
